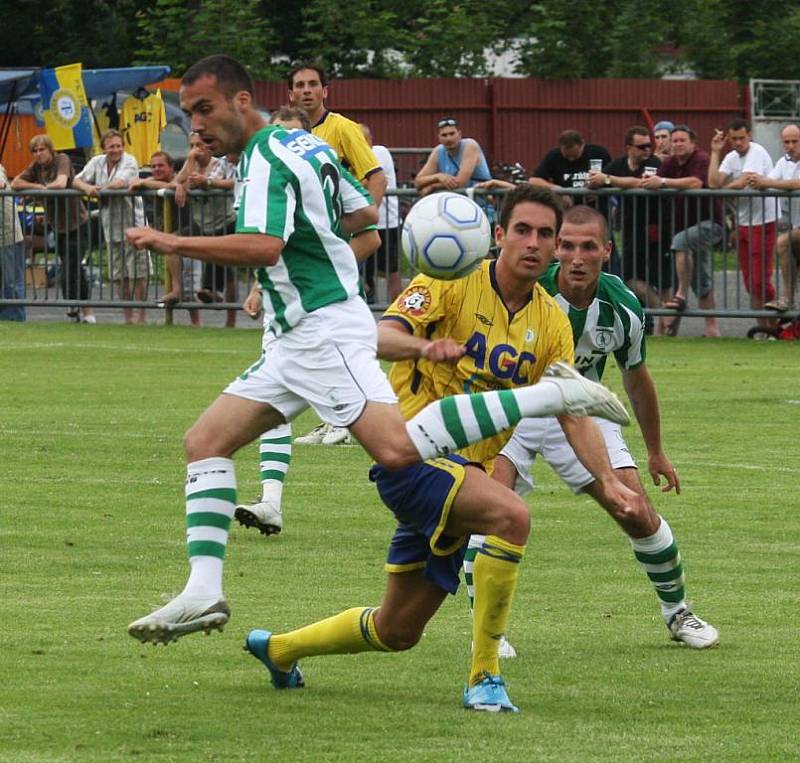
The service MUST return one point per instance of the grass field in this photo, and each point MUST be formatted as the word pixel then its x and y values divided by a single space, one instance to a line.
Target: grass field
pixel 92 536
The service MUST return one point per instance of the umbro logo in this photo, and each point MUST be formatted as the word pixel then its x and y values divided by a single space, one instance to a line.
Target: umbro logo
pixel 484 320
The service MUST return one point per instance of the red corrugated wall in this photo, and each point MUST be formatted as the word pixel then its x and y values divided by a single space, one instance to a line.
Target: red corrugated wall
pixel 520 119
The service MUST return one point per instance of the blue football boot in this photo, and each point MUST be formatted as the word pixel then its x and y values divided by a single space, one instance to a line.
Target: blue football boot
pixel 489 695
pixel 257 643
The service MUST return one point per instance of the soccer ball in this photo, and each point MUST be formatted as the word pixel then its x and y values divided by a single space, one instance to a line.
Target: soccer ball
pixel 446 235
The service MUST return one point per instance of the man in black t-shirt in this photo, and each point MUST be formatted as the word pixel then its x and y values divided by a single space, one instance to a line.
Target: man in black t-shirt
pixel 568 165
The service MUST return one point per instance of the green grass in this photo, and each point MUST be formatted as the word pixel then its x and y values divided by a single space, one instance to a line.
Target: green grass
pixel 92 536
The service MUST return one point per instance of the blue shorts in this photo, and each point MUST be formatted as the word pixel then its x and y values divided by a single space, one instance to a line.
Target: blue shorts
pixel 420 496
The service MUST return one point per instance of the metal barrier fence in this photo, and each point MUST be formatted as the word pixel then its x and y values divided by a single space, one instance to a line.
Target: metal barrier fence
pixel 71 260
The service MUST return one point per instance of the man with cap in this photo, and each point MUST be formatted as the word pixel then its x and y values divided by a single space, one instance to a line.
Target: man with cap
pixel 661 133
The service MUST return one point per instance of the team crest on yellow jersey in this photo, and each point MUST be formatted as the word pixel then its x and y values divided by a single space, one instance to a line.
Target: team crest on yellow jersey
pixel 415 301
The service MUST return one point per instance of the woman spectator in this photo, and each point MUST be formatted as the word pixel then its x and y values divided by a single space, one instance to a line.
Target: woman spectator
pixel 66 215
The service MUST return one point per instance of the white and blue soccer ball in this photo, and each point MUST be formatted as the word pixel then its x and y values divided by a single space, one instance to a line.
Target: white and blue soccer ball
pixel 446 235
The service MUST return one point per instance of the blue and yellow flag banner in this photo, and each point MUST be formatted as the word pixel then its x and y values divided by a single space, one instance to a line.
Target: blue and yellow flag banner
pixel 67 118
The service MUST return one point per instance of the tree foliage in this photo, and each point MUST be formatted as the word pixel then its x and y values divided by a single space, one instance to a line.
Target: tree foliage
pixel 173 32
pixel 421 38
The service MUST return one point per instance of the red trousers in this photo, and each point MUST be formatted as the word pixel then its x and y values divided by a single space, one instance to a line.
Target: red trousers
pixel 756 244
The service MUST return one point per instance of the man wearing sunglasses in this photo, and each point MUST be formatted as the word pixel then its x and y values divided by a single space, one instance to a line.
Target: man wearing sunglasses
pixel 644 270
pixel 457 162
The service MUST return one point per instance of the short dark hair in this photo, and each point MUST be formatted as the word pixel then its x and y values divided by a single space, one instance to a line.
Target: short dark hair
pixel 294 113
pixel 570 138
pixel 684 128
pixel 580 214
pixel 231 76
pixel 167 158
pixel 313 65
pixel 635 130
pixel 533 194
pixel 739 124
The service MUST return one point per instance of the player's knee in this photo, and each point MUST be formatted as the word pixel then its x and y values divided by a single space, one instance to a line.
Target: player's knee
pixel 197 444
pixel 394 455
pixel 514 523
pixel 399 637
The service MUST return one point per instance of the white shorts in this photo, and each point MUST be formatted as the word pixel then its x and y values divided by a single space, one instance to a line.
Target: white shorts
pixel 328 361
pixel 546 436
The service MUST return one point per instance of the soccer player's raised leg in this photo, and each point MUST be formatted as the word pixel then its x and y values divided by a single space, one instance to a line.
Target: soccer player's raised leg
pixel 228 424
pixel 423 564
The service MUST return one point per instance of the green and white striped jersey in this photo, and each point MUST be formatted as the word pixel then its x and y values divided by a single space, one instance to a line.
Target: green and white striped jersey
pixel 291 185
pixel 613 322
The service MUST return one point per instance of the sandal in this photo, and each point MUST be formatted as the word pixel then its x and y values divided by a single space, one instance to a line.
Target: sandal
pixel 675 303
pixel 781 305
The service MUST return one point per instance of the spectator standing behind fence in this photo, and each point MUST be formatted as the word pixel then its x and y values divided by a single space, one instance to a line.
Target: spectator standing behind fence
pixel 568 165
pixel 114 170
pixel 457 162
pixel 697 224
pixel 211 215
pixel 67 216
pixel 645 271
pixel 180 269
pixel 661 135
pixel 785 176
pixel 12 254
pixel 756 226
pixel 388 229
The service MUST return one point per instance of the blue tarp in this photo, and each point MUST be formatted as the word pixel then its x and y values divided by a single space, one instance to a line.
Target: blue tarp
pixel 102 82
pixel 14 83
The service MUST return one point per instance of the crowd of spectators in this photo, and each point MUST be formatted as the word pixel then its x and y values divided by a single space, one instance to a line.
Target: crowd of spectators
pixel 663 248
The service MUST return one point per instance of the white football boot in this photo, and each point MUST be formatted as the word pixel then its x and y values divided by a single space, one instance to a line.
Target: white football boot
pixel 315 436
pixel 186 613
pixel 265 516
pixel 583 397
pixel 687 627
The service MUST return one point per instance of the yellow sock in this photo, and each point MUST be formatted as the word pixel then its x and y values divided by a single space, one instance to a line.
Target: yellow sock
pixel 348 632
pixel 495 574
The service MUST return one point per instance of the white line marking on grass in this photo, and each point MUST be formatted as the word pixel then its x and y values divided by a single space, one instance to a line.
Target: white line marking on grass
pixel 126 348
pixel 749 467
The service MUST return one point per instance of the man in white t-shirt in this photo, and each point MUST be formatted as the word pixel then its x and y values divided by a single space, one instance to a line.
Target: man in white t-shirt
pixel 785 176
pixel 756 226
pixel 388 229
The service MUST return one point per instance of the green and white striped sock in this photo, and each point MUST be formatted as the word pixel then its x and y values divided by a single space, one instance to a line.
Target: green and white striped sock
pixel 448 425
pixel 661 560
pixel 210 500
pixel 275 448
pixel 474 545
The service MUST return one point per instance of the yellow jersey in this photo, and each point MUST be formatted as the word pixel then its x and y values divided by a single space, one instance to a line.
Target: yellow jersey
pixel 503 349
pixel 141 123
pixel 344 136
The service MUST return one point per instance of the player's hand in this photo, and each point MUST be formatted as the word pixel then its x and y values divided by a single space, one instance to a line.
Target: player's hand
pixel 718 141
pixel 660 466
pixel 148 238
pixel 252 304
pixel 616 493
pixel 443 351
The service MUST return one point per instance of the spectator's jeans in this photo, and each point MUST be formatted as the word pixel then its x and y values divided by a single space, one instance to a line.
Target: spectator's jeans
pixel 700 240
pixel 70 246
pixel 12 280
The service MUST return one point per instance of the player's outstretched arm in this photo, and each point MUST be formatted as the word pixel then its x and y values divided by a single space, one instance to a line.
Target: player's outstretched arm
pixel 396 342
pixel 242 249
pixel 641 391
